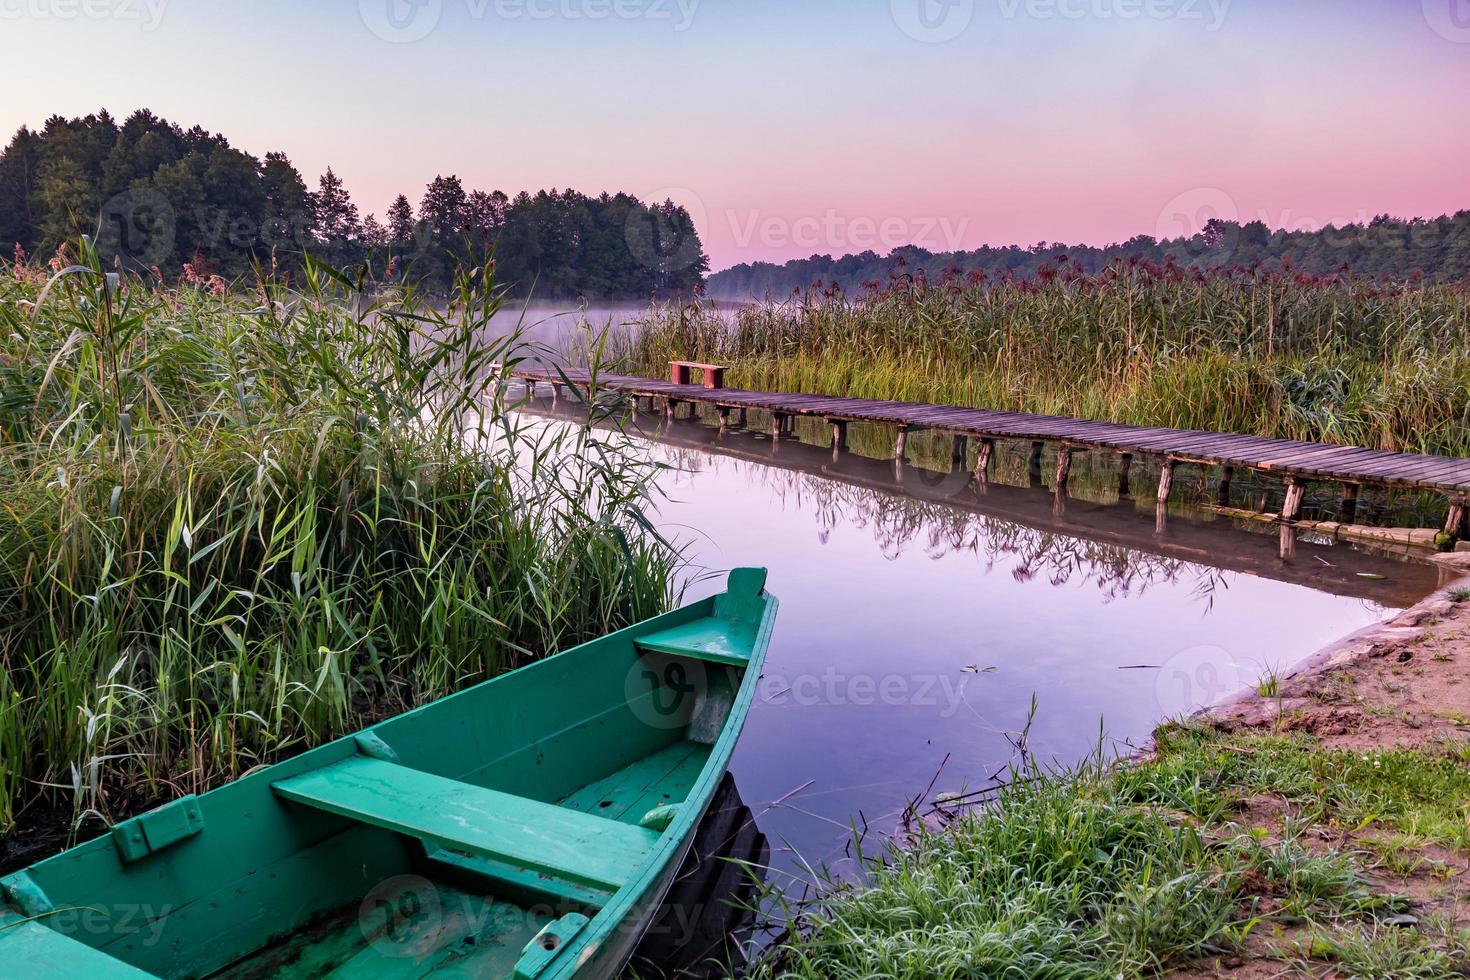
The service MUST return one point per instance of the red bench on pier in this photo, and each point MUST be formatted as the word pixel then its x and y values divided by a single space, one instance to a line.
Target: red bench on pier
pixel 714 374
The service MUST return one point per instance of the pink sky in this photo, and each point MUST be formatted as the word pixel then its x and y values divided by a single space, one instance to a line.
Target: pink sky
pixel 828 126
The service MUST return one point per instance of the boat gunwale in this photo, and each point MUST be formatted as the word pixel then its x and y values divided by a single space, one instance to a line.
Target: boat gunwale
pixel 616 912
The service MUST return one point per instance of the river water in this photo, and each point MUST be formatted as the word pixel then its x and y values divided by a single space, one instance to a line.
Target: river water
pixel 920 618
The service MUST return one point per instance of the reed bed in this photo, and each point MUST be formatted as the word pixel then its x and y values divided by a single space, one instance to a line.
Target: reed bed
pixel 1332 358
pixel 236 523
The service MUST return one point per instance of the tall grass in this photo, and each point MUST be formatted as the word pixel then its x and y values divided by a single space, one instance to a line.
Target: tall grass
pixel 1331 358
pixel 234 524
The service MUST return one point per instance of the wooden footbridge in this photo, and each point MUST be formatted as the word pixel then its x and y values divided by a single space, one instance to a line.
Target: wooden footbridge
pixel 1297 463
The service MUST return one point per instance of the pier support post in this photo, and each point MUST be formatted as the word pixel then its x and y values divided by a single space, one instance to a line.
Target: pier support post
pixel 1454 524
pixel 530 389
pixel 740 417
pixel 778 426
pixel 839 435
pixel 1033 464
pixel 1349 503
pixel 1291 507
pixel 669 406
pixel 1166 480
pixel 724 418
pixel 555 393
pixel 982 461
pixel 1222 494
pixel 1125 465
pixel 900 444
pixel 1064 468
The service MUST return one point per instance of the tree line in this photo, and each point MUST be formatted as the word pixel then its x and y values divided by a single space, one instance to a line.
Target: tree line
pixel 158 197
pixel 1436 249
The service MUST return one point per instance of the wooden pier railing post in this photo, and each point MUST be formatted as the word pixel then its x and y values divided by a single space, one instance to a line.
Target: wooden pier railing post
pixel 1064 467
pixel 839 435
pixel 1166 481
pixel 1291 507
pixel 1349 503
pixel 1454 524
pixel 982 461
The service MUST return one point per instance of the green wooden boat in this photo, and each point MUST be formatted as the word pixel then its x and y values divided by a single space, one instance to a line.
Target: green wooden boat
pixel 527 827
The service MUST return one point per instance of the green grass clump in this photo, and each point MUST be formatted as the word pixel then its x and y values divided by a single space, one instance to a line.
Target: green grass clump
pixel 1336 359
pixel 1131 869
pixel 236 524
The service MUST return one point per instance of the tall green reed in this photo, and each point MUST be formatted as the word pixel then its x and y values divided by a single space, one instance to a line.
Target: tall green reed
pixel 1334 358
pixel 235 523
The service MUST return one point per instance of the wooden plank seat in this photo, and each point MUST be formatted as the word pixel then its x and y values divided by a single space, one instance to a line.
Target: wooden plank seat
pixel 722 641
pixel 524 834
pixel 714 374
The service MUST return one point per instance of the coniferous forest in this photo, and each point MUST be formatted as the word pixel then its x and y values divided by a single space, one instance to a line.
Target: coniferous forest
pixel 158 196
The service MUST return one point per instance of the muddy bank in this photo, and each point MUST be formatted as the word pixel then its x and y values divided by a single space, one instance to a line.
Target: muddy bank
pixel 1399 683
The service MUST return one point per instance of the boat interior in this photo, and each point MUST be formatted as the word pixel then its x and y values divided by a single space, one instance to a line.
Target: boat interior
pixel 476 836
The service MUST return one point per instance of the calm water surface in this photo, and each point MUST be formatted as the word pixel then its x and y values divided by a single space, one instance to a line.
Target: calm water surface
pixel 920 618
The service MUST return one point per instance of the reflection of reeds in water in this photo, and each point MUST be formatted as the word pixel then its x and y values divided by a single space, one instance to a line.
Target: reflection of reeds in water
pixel 898 522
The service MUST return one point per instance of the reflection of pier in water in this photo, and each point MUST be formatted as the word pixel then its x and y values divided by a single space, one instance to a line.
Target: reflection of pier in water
pixel 1113 544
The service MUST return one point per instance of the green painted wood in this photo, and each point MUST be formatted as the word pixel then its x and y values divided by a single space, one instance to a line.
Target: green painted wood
pixel 662 778
pixel 266 881
pixel 601 949
pixel 495 875
pixel 32 950
pixel 717 640
pixel 541 950
pixel 523 833
pixel 153 831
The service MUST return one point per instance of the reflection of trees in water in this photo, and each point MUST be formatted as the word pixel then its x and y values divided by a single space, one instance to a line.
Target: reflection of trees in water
pixel 898 521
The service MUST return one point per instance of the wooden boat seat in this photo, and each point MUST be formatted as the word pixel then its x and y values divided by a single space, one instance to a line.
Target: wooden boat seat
pixel 719 640
pixel 523 834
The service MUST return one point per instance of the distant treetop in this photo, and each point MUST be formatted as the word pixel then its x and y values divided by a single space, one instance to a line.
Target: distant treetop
pixel 157 196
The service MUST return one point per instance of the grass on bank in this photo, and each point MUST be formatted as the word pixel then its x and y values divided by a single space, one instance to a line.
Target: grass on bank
pixel 1335 358
pixel 1220 845
pixel 237 523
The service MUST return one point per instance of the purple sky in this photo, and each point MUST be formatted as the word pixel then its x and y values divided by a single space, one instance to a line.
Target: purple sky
pixel 790 128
